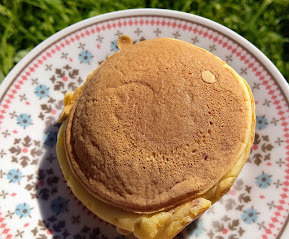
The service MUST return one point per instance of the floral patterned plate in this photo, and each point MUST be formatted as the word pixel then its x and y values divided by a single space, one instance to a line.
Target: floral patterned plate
pixel 34 199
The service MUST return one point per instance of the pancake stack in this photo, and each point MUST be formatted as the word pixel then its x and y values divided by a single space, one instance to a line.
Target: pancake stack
pixel 158 133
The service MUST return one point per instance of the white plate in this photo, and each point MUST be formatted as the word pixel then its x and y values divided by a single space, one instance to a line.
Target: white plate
pixel 35 201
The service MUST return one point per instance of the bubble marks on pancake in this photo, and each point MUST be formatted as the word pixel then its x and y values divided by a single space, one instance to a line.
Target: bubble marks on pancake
pixel 146 135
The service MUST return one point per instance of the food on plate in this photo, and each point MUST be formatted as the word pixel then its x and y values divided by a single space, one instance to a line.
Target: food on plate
pixel 156 135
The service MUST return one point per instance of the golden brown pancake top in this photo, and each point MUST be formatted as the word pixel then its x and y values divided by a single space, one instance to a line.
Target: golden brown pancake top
pixel 157 123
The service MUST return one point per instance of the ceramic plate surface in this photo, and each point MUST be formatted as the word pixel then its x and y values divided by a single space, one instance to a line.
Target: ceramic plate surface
pixel 34 199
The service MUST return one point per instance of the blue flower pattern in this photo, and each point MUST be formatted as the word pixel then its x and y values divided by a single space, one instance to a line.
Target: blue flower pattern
pixel 198 229
pixel 23 210
pixel 261 122
pixel 14 176
pixel 59 205
pixel 85 57
pixel 113 46
pixel 42 91
pixel 50 138
pixel 250 216
pixel 24 120
pixel 263 180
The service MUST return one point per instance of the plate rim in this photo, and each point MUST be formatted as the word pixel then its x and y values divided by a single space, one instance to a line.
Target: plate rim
pixel 248 46
pixel 267 63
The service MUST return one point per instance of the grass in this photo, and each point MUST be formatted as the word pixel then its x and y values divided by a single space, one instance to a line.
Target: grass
pixel 26 23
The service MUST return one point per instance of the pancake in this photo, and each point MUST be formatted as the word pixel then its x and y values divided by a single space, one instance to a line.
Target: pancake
pixel 158 133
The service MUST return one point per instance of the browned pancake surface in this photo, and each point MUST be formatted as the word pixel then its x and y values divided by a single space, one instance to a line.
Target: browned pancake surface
pixel 148 132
